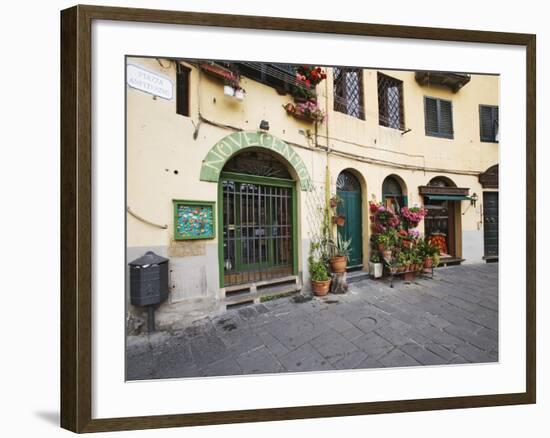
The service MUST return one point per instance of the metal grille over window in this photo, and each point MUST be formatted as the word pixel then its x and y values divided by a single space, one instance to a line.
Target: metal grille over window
pixel 390 102
pixel 438 117
pixel 257 232
pixel 282 77
pixel 257 163
pixel 348 91
pixel 346 182
pixel 488 123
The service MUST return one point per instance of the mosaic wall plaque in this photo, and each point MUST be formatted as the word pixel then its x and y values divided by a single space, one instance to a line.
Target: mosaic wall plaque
pixel 194 220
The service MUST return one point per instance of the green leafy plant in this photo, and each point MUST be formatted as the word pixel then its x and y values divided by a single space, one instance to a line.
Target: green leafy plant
pixel 340 248
pixel 375 257
pixel 317 266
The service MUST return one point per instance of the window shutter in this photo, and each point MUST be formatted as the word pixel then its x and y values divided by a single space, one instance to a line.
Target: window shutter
pixel 182 90
pixel 446 118
pixel 488 123
pixel 431 119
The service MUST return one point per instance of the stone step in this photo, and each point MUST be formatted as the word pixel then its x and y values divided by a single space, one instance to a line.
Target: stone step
pixel 355 276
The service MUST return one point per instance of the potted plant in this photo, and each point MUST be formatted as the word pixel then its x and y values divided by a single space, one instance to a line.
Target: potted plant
pixel 339 220
pixel 239 93
pixel 401 262
pixel 339 254
pixel 320 279
pixel 228 89
pixel 334 201
pixel 376 266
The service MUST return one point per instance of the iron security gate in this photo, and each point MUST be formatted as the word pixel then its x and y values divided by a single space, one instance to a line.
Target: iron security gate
pixel 257 229
pixel 490 224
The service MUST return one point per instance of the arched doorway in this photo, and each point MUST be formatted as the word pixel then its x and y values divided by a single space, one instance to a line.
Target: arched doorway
pixel 392 192
pixel 257 218
pixel 441 222
pixel 348 190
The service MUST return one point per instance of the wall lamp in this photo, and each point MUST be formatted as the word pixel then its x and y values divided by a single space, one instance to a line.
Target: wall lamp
pixel 473 199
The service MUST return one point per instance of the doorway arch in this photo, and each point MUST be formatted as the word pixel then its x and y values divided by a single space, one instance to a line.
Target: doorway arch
pixel 348 190
pixel 257 210
pixel 394 191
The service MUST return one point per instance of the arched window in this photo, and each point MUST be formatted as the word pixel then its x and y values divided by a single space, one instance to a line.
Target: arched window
pixel 257 163
pixel 347 182
pixel 441 181
pixel 392 193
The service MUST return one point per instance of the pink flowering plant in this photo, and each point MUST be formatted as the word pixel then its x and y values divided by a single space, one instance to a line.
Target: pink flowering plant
pixel 412 216
pixel 396 231
pixel 306 110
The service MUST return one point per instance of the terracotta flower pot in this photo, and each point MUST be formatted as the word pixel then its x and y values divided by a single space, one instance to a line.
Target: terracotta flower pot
pixel 338 264
pixel 409 276
pixel 339 220
pixel 428 262
pixel 320 288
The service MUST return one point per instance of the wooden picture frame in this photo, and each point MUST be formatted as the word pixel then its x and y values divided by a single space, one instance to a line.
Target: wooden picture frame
pixel 76 217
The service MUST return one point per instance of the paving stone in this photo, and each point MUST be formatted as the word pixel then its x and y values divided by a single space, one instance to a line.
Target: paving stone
pixel 350 360
pixel 296 333
pixel 450 319
pixel 474 354
pixel 397 358
pixel 241 341
pixel 257 361
pixel 393 336
pixel 352 333
pixel 374 345
pixel 227 366
pixel 139 366
pixel 369 362
pixel 340 324
pixel 305 358
pixel 442 352
pixel 476 339
pixel 332 346
pixel 422 355
pixel 274 345
pixel 207 349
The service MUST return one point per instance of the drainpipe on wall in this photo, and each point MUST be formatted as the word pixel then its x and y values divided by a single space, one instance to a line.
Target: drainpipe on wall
pixel 327 171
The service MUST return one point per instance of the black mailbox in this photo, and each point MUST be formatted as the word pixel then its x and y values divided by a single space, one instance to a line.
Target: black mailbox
pixel 149 282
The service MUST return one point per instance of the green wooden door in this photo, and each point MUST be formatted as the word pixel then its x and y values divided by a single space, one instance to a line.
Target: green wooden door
pixel 349 192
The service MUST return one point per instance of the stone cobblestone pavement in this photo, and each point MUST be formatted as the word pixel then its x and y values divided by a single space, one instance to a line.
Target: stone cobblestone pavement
pixel 450 319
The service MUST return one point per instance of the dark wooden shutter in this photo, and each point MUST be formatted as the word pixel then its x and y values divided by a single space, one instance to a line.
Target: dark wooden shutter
pixel 182 90
pixel 431 119
pixel 445 118
pixel 438 117
pixel 488 122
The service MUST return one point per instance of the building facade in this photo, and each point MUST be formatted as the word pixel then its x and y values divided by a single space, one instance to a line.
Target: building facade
pixel 229 185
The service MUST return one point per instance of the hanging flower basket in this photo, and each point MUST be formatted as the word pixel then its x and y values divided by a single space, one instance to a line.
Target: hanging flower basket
pixel 219 72
pixel 339 220
pixel 307 111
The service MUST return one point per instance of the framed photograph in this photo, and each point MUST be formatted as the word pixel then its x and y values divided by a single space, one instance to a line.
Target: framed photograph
pixel 258 235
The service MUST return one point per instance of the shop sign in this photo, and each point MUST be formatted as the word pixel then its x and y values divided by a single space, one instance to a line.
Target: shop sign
pixel 223 150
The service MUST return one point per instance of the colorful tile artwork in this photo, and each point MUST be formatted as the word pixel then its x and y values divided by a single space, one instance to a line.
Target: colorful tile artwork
pixel 194 221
